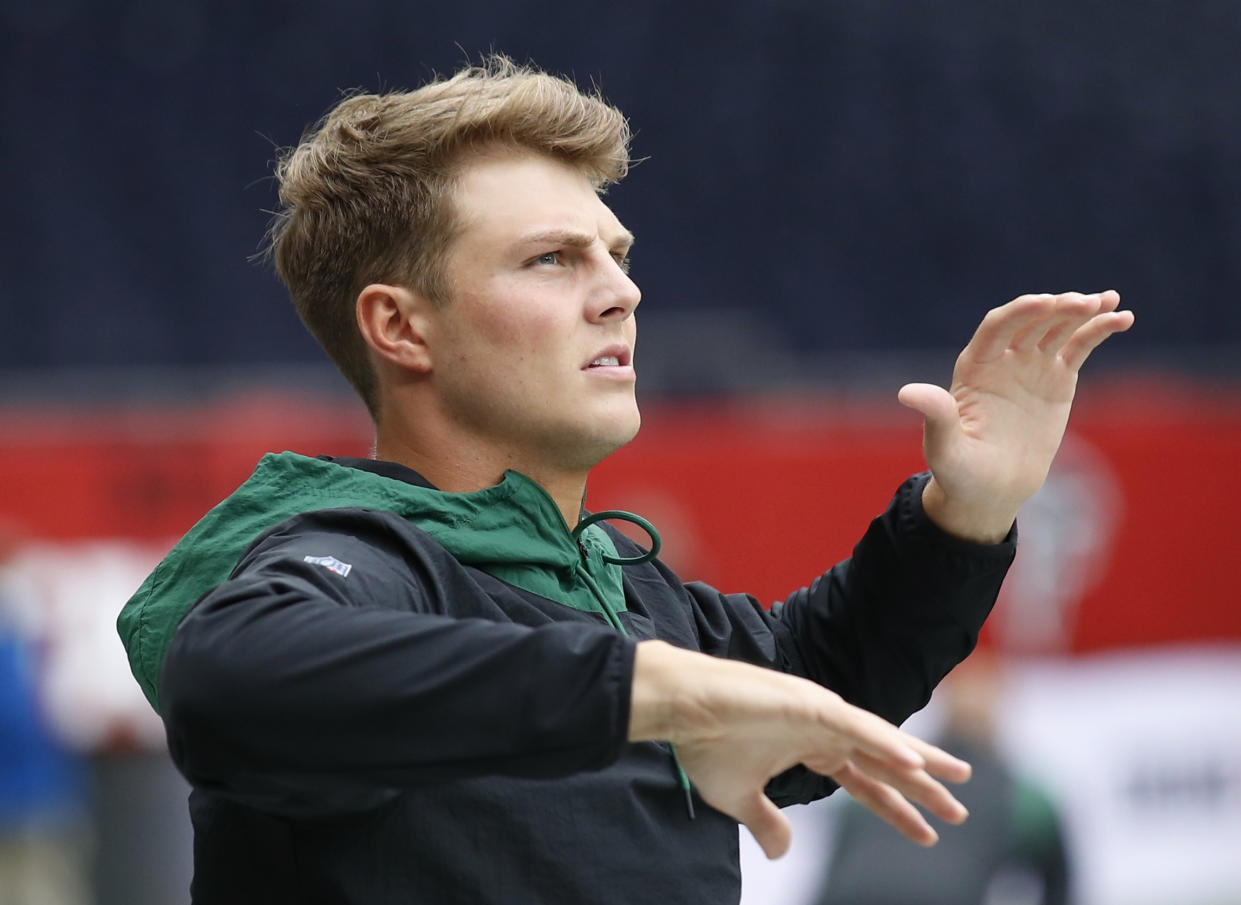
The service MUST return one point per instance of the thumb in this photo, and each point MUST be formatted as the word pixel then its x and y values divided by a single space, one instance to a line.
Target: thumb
pixel 940 409
pixel 936 403
pixel 770 828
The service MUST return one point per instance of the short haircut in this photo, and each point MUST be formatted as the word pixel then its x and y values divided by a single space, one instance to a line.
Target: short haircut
pixel 366 196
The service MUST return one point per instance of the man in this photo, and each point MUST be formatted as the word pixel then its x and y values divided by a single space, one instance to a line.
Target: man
pixel 430 676
pixel 1012 850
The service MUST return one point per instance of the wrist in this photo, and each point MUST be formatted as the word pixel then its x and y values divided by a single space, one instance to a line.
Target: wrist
pixel 987 522
pixel 654 696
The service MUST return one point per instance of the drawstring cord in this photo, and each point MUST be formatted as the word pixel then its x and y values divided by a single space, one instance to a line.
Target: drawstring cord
pixel 623 516
pixel 614 619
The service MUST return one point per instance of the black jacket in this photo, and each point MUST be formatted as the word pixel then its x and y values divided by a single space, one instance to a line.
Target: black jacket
pixel 366 718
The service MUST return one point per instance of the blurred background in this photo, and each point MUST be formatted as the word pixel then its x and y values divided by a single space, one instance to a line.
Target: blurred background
pixel 830 197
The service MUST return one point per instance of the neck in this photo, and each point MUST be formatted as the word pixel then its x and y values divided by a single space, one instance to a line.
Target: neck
pixel 467 467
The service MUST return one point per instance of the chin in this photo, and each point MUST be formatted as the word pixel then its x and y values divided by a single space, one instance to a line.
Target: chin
pixel 623 437
pixel 626 427
pixel 596 445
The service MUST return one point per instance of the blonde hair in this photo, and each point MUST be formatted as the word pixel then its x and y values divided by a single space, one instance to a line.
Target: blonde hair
pixel 366 196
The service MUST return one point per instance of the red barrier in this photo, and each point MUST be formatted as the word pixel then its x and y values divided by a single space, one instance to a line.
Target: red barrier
pixel 1134 542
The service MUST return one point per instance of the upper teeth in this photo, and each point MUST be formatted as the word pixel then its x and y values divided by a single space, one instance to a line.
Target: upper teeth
pixel 605 361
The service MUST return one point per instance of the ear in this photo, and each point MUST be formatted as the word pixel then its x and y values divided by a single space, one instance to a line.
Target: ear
pixel 395 322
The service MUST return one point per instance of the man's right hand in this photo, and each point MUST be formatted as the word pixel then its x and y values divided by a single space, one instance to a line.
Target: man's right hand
pixel 735 726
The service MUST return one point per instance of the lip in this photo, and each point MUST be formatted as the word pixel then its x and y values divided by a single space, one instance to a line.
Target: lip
pixel 621 353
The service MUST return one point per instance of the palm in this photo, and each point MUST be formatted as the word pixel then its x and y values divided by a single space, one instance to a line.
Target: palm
pixel 991 438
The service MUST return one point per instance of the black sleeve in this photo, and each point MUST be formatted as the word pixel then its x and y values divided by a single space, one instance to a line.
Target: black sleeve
pixel 881 629
pixel 298 690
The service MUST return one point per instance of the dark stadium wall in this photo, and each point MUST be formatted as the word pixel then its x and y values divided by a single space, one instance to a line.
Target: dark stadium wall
pixel 849 178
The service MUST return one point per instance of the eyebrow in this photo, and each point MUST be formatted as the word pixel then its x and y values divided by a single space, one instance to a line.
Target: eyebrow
pixel 574 239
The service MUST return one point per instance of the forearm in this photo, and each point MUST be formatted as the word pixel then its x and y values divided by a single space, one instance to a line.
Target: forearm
pixel 883 627
pixel 283 685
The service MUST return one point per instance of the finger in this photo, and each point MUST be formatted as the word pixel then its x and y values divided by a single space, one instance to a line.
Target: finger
pixel 918 786
pixel 1065 304
pixel 887 803
pixel 940 763
pixel 1087 338
pixel 770 828
pixel 1001 325
pixel 1071 315
pixel 875 736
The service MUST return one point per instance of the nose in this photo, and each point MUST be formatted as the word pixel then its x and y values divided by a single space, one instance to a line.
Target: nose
pixel 616 295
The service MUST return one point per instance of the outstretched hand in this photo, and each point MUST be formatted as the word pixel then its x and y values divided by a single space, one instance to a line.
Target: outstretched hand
pixel 735 726
pixel 990 439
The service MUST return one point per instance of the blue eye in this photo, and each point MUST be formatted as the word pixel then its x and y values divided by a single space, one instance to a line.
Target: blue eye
pixel 552 257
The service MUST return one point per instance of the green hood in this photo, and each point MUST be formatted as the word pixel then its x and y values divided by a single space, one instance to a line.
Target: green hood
pixel 513 531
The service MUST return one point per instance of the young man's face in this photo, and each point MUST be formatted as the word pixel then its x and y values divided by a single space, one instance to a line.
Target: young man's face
pixel 534 349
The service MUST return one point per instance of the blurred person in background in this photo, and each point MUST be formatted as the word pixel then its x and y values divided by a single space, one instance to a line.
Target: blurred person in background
pixel 432 675
pixel 42 808
pixel 1012 851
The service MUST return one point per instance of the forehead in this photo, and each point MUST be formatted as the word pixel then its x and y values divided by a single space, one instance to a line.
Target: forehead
pixel 504 195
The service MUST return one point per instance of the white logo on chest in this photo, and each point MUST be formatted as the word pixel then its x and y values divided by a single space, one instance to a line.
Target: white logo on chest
pixel 330 562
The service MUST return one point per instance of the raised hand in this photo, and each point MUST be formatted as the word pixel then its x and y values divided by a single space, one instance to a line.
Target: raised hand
pixel 735 726
pixel 990 439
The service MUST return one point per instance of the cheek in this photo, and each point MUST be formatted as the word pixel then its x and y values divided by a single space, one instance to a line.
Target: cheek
pixel 513 318
pixel 517 358
pixel 526 338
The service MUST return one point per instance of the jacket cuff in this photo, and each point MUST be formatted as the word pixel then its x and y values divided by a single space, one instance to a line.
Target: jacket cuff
pixel 914 521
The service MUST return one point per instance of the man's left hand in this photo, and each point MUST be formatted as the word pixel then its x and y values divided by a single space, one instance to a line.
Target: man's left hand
pixel 990 439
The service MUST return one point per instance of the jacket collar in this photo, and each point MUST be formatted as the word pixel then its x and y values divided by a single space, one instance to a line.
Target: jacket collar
pixel 513 531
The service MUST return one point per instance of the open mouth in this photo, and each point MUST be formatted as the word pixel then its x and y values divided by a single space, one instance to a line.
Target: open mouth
pixel 615 357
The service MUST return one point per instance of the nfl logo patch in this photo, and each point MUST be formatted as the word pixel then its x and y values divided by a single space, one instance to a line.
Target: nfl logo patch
pixel 330 562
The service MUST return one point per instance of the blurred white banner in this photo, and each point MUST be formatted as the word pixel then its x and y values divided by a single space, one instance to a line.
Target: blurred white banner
pixel 1142 754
